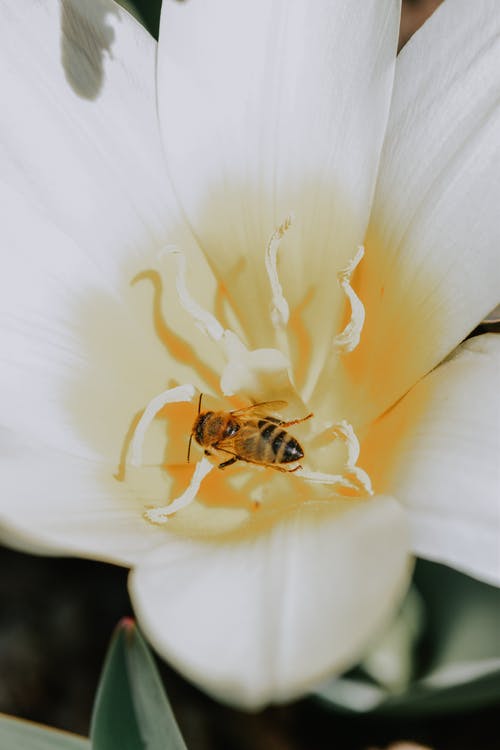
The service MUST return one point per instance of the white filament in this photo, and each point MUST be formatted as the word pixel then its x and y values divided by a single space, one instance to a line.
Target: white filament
pixel 345 432
pixel 362 481
pixel 348 339
pixel 182 393
pixel 363 478
pixel 280 311
pixel 256 372
pixel 320 477
pixel 207 322
pixel 160 515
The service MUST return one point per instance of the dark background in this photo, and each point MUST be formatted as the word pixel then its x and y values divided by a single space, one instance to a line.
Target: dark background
pixel 55 625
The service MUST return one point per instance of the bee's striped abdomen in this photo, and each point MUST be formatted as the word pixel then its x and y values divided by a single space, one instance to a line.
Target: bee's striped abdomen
pixel 275 445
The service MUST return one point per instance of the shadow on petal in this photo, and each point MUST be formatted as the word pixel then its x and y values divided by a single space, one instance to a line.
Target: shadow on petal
pixel 86 37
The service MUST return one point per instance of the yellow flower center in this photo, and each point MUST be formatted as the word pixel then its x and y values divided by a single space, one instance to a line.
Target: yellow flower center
pixel 270 451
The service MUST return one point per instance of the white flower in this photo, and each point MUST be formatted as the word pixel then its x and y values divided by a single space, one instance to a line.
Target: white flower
pixel 266 581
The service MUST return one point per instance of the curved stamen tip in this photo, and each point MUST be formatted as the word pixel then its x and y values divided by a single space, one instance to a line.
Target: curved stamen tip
pixel 363 479
pixel 345 432
pixel 348 339
pixel 179 394
pixel 207 322
pixel 353 477
pixel 160 515
pixel 319 477
pixel 280 310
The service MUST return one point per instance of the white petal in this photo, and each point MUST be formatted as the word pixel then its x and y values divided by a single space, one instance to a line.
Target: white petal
pixel 80 142
pixel 78 127
pixel 437 450
pixel 77 361
pixel 261 618
pixel 53 502
pixel 85 206
pixel 273 107
pixel 431 270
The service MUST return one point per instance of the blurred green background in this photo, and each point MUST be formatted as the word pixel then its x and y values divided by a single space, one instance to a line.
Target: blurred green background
pixel 58 615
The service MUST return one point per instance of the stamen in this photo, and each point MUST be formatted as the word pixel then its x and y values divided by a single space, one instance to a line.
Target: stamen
pixel 353 477
pixel 203 319
pixel 160 515
pixel 348 339
pixel 261 374
pixel 345 432
pixel 258 373
pixel 280 311
pixel 181 393
pixel 320 477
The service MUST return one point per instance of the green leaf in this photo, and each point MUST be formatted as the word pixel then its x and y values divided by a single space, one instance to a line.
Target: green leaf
pixel 131 710
pixel 16 734
pixel 146 11
pixel 456 663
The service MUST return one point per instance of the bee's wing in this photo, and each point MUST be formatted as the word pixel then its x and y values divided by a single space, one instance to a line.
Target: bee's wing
pixel 263 409
pixel 226 445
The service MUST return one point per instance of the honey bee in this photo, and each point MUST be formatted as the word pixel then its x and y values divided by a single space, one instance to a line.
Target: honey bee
pixel 250 435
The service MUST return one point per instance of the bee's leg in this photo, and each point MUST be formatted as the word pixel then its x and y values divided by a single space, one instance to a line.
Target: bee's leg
pixel 229 462
pixel 296 421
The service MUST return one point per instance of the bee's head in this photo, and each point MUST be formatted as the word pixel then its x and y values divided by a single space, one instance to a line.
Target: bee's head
pixel 198 430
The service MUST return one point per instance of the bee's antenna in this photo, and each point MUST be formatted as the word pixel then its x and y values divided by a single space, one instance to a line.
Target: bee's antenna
pixel 191 436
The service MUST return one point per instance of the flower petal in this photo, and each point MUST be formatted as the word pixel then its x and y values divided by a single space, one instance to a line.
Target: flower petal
pixel 78 129
pixel 53 502
pixel 261 618
pixel 431 270
pixel 78 362
pixel 86 205
pixel 80 142
pixel 272 107
pixel 437 451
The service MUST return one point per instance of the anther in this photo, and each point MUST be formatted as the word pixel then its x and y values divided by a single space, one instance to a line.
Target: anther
pixel 280 311
pixel 345 432
pixel 348 339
